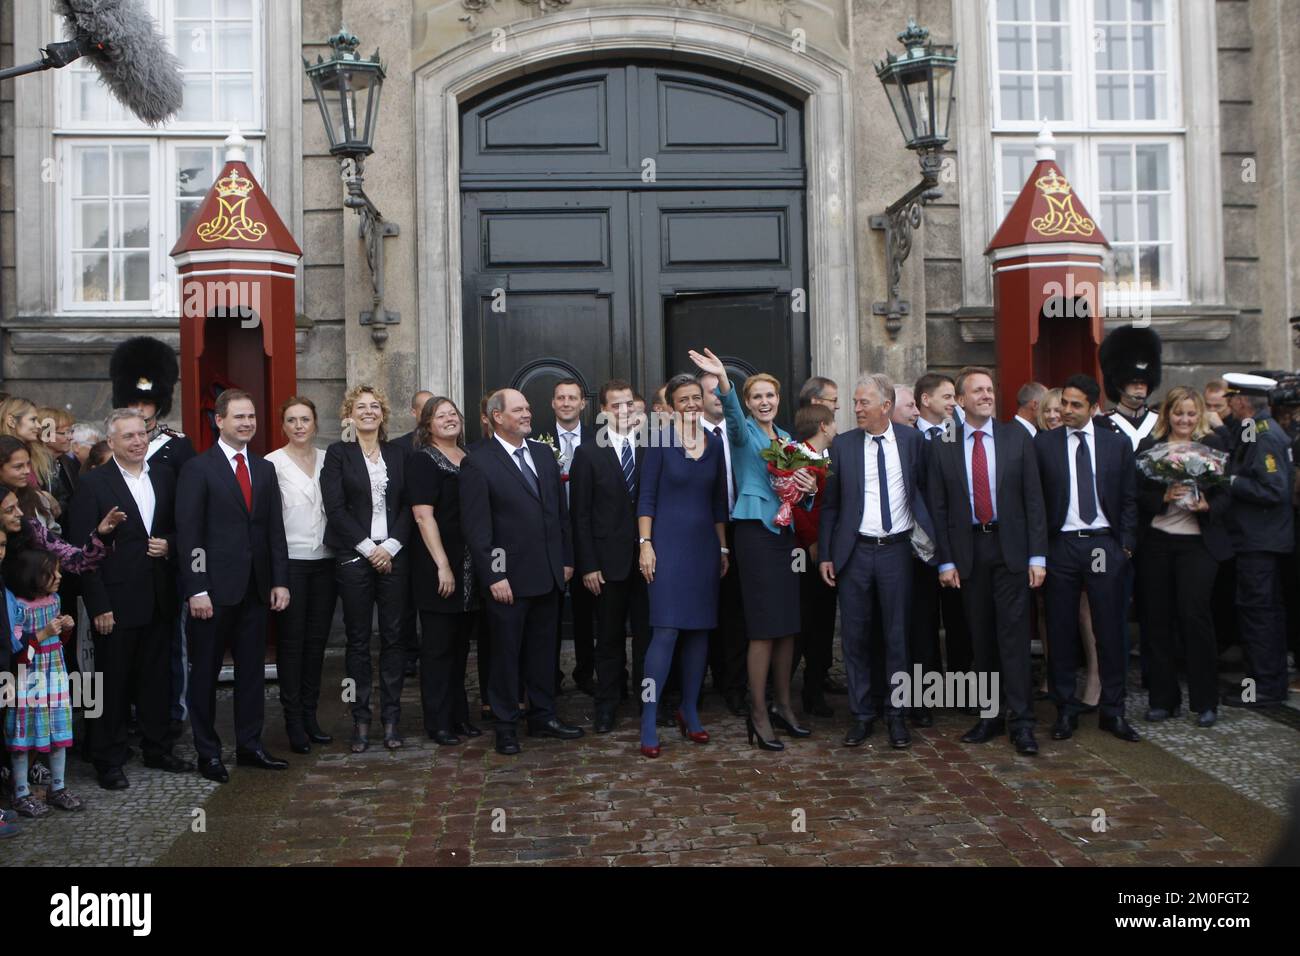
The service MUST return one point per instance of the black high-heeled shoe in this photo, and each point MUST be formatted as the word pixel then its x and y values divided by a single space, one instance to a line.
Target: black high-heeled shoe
pixel 780 722
pixel 314 733
pixel 762 744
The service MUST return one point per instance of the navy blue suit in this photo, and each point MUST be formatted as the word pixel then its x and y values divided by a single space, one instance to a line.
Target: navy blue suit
pixel 1097 565
pixel 870 574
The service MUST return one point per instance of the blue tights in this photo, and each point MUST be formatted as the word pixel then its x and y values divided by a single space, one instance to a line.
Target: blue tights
pixel 658 661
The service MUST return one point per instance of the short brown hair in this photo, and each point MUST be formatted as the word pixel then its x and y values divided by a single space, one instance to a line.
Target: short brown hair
pixel 293 400
pixel 966 373
pixel 221 407
pixel 615 385
pixel 929 383
pixel 755 379
pixel 809 419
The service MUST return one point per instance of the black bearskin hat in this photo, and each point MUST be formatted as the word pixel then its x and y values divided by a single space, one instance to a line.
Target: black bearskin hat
pixel 1129 354
pixel 143 369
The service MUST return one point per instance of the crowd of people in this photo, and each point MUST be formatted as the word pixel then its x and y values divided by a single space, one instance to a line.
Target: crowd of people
pixel 942 537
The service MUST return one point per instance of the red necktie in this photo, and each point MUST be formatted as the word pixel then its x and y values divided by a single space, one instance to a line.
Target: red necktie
pixel 979 466
pixel 245 483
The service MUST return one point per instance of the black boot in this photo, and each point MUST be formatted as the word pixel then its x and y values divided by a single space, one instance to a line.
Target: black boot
pixel 298 741
pixel 314 733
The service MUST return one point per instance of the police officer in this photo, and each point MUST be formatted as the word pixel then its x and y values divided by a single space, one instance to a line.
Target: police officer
pixel 1261 524
pixel 1130 368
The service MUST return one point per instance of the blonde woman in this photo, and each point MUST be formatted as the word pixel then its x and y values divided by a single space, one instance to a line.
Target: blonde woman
pixel 1181 540
pixel 368 525
pixel 21 419
pixel 1049 410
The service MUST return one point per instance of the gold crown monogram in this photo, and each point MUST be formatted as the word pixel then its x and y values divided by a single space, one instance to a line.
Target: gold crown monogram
pixel 234 185
pixel 1053 184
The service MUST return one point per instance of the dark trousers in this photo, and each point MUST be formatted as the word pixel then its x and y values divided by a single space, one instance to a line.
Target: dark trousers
pixel 1070 573
pixel 1225 605
pixel 1176 577
pixel 363 588
pixel 444 652
pixel 582 608
pixel 136 658
pixel 1262 622
pixel 874 575
pixel 524 630
pixel 996 601
pixel 243 627
pixel 618 602
pixel 411 645
pixel 817 630
pixel 483 654
pixel 302 631
pixel 729 642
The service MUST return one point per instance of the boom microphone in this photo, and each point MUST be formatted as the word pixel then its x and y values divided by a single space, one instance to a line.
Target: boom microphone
pixel 121 40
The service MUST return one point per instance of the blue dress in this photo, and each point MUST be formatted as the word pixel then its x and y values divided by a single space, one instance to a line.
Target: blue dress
pixel 686 497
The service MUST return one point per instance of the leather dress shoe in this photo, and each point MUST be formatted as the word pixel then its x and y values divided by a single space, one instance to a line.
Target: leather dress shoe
pixel 1156 714
pixel 1120 727
pixel 922 717
pixel 603 722
pixel 985 730
pixel 112 778
pixel 214 769
pixel 1207 718
pixel 444 738
pixel 736 703
pixel 1024 742
pixel 1065 726
pixel 260 759
pixel 858 731
pixel 899 738
pixel 169 762
pixel 466 729
pixel 507 742
pixel 553 728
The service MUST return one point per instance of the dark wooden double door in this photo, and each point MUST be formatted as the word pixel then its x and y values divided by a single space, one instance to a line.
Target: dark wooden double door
pixel 615 216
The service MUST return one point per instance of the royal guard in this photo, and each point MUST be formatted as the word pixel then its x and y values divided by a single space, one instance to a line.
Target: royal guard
pixel 1130 369
pixel 144 373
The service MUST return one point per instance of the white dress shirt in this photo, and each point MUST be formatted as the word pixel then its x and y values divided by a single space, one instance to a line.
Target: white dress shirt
pixel 1072 520
pixel 511 449
pixel 303 505
pixel 378 472
pixel 719 430
pixel 900 514
pixel 230 454
pixel 141 489
pixel 1028 425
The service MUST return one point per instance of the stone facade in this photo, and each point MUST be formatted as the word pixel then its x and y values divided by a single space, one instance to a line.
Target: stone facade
pixel 1241 140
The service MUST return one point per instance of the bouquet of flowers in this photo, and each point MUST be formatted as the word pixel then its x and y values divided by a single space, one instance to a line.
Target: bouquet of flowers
pixel 783 459
pixel 549 441
pixel 1185 462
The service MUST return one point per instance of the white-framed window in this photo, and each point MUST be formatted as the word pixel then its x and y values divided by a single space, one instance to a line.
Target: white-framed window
pixel 126 189
pixel 1101 74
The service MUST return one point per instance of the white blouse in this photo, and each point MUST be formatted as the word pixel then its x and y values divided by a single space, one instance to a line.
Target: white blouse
pixel 303 506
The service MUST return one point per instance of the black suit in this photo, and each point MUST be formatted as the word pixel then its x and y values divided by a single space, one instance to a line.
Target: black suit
pixel 345 491
pixel 605 533
pixel 140 592
pixel 992 565
pixel 582 603
pixel 237 555
pixel 933 605
pixel 521 534
pixel 175 453
pixel 869 573
pixel 1096 564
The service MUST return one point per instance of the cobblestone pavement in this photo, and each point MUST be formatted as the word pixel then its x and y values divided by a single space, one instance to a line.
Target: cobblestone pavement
pixel 1184 797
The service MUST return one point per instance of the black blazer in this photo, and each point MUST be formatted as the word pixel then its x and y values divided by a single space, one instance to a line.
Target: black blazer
pixel 345 490
pixel 1021 516
pixel 175 454
pixel 604 514
pixel 500 513
pixel 1151 502
pixel 127 582
pixel 234 543
pixel 843 497
pixel 1116 478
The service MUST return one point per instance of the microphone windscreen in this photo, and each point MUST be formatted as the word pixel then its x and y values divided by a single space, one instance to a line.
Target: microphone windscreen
pixel 130 54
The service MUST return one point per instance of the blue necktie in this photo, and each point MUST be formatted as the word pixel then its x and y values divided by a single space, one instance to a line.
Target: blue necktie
pixel 629 475
pixel 528 472
pixel 885 521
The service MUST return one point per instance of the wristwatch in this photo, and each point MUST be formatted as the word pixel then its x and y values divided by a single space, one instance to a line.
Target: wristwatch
pixel 643 541
pixel 726 551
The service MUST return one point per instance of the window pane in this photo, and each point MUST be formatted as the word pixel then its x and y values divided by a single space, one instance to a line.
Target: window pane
pixel 198 98
pixel 1121 267
pixel 1112 51
pixel 194 170
pixel 235 99
pixel 1149 48
pixel 1148 9
pixel 1053 52
pixel 92 100
pixel 1112 9
pixel 132 224
pixel 234 8
pixel 1052 9
pixel 1017 161
pixel 90 277
pixel 234 46
pixel 1152 167
pixel 132 276
pixel 193 39
pixel 1149 96
pixel 1112 96
pixel 1054 97
pixel 90 171
pixel 1155 265
pixel 1153 218
pixel 1117 218
pixel 1114 168
pixel 1014 52
pixel 1017 97
pixel 90 225
pixel 1013 9
pixel 131 164
pixel 194 8
pixel 185 209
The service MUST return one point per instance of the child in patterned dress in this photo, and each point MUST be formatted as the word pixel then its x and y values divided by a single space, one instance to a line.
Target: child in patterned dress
pixel 41 716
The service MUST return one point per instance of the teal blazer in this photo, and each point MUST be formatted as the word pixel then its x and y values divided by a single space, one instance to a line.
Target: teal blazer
pixel 755 499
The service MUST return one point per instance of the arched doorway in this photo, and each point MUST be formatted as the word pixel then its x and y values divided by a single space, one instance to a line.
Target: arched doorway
pixel 615 214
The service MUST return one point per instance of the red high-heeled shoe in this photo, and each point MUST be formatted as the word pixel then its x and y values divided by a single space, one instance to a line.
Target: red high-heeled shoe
pixel 650 752
pixel 694 736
